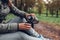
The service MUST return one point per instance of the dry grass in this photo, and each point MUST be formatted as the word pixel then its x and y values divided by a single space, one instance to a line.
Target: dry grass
pixel 48 30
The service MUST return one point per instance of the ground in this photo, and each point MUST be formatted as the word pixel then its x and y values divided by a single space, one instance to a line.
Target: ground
pixel 48 30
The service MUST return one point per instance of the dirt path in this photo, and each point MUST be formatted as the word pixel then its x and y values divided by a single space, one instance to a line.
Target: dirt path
pixel 48 30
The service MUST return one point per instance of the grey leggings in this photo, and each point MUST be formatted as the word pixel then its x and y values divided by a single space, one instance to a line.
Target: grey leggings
pixel 17 36
pixel 20 35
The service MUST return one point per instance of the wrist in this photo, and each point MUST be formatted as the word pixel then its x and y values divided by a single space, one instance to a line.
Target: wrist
pixel 17 26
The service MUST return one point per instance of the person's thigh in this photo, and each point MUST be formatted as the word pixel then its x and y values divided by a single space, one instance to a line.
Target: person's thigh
pixel 17 36
pixel 16 20
pixel 10 36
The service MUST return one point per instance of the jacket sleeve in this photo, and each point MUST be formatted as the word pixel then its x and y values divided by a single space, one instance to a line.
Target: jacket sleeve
pixel 9 27
pixel 17 12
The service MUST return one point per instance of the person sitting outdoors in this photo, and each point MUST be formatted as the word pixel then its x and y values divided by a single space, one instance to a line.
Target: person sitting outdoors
pixel 16 29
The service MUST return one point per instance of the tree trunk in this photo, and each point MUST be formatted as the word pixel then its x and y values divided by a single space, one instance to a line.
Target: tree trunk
pixel 16 3
pixel 57 13
pixel 52 12
pixel 46 12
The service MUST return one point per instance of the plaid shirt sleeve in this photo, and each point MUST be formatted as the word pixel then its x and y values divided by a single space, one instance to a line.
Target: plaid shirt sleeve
pixel 17 12
pixel 10 27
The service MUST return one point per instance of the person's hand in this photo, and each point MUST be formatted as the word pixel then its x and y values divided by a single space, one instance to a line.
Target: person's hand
pixel 9 3
pixel 24 26
pixel 33 15
pixel 34 18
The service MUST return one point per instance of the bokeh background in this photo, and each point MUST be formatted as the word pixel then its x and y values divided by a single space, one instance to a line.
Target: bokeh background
pixel 48 13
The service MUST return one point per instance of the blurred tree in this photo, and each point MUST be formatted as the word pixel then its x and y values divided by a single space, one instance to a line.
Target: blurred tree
pixel 47 3
pixel 53 6
pixel 40 6
pixel 25 4
pixel 29 4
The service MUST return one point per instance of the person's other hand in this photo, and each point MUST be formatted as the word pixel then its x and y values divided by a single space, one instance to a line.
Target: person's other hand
pixel 24 26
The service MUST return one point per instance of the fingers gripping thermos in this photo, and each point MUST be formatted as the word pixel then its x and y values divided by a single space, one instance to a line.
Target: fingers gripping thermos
pixel 32 20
